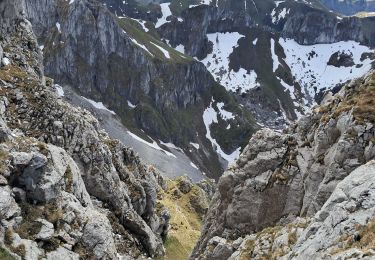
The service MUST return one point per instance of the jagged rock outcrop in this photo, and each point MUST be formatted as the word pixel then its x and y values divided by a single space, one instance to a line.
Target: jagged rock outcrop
pixel 67 188
pixel 304 29
pixel 282 176
pixel 343 228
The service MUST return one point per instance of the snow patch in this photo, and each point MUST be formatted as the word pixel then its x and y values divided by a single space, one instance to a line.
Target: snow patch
pixel 277 16
pixel 131 105
pixel 171 146
pixel 218 63
pixel 58 26
pixel 166 11
pixel 59 90
pixel 141 46
pixel 195 145
pixel 153 145
pixel 98 105
pixel 278 3
pixel 6 61
pixel 180 48
pixel 164 51
pixel 194 166
pixel 309 64
pixel 224 114
pixel 210 117
pixel 275 58
pixel 141 22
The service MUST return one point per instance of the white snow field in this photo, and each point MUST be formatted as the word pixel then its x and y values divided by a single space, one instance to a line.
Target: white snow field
pixel 309 63
pixel 218 63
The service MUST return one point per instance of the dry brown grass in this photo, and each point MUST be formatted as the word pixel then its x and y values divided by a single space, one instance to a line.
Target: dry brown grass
pixel 365 242
pixel 362 100
pixel 3 161
pixel 359 98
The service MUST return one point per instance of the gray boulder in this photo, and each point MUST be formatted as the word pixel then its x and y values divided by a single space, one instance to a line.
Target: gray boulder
pixel 97 237
pixel 46 230
pixel 8 206
pixel 44 179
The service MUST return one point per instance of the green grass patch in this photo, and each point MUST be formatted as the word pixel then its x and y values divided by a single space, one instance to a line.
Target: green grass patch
pixel 5 255
pixel 174 249
pixel 185 223
pixel 135 31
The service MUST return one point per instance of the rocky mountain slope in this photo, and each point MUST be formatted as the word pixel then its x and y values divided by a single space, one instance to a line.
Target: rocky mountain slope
pixel 262 65
pixel 350 7
pixel 277 57
pixel 159 93
pixel 291 195
pixel 67 190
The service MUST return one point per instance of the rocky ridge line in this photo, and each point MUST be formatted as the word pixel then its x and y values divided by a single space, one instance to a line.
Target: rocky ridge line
pixel 67 189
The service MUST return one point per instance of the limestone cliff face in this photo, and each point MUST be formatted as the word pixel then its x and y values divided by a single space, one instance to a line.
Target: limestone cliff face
pixel 10 12
pixel 67 189
pixel 112 60
pixel 90 51
pixel 306 24
pixel 193 25
pixel 281 177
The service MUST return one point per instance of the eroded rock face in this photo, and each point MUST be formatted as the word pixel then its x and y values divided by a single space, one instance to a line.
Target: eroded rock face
pixel 340 229
pixel 282 176
pixel 64 182
pixel 92 53
pixel 10 11
pixel 352 204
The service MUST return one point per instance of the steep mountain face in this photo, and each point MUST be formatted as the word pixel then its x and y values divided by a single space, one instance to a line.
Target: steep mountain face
pixel 350 7
pixel 291 194
pixel 270 53
pixel 149 85
pixel 68 191
pixel 137 60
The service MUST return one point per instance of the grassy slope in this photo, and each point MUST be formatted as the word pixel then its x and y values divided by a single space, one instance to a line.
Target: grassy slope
pixel 185 222
pixel 135 31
